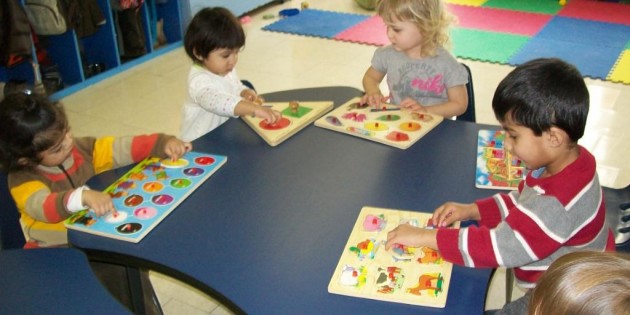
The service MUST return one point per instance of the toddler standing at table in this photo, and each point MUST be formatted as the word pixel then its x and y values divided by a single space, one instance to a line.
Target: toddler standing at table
pixel 215 93
pixel 421 74
pixel 558 208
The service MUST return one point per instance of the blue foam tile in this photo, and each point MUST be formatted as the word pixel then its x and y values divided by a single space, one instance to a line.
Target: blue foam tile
pixel 590 33
pixel 319 23
pixel 592 61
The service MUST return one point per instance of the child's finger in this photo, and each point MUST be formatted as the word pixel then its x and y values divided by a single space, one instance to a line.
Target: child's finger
pixel 188 146
pixel 391 238
pixel 441 214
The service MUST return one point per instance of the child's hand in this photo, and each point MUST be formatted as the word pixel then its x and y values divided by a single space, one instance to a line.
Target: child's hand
pixel 451 212
pixel 101 203
pixel 269 115
pixel 412 236
pixel 412 105
pixel 251 96
pixel 374 99
pixel 176 148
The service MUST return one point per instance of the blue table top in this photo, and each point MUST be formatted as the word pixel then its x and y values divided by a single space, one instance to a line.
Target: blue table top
pixel 52 281
pixel 266 231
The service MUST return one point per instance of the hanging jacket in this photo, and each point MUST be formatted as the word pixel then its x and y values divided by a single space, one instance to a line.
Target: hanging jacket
pixel 15 34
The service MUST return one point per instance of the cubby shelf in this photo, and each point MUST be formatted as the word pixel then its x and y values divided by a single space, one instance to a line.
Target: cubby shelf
pixel 70 53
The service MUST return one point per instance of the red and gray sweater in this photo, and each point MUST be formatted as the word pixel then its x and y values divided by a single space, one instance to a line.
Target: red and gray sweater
pixel 41 194
pixel 529 228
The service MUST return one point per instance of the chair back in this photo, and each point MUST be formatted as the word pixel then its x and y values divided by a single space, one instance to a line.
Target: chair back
pixel 469 114
pixel 11 235
pixel 618 215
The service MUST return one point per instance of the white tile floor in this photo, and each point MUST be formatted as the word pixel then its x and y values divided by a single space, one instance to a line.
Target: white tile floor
pixel 148 98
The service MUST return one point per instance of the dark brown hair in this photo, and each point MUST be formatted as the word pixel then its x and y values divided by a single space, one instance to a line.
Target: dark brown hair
pixel 31 124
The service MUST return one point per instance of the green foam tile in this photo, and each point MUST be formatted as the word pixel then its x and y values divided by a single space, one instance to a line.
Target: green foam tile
pixel 486 46
pixel 534 6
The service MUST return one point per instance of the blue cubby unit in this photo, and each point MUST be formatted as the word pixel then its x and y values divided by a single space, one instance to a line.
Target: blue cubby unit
pixel 172 23
pixel 22 71
pixel 101 47
pixel 71 53
pixel 64 51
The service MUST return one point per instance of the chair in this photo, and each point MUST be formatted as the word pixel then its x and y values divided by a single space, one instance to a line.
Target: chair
pixel 469 115
pixel 10 231
pixel 618 215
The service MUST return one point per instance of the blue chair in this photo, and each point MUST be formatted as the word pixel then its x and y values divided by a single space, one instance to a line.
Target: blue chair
pixel 11 236
pixel 469 114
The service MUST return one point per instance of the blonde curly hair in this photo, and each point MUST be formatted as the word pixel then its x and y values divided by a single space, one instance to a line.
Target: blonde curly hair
pixel 430 16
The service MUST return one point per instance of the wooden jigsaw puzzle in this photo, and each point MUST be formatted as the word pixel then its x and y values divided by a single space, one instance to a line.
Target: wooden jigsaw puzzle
pixel 146 194
pixel 295 116
pixel 388 125
pixel 496 168
pixel 417 276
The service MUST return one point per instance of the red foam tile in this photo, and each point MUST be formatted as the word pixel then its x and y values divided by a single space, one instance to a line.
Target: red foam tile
pixel 597 11
pixel 372 31
pixel 499 20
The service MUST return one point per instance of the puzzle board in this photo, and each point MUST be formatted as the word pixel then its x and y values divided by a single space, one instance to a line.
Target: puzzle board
pixel 146 194
pixel 292 121
pixel 496 168
pixel 403 274
pixel 388 125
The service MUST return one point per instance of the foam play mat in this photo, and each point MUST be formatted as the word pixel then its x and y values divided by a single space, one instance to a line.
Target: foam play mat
pixel 592 35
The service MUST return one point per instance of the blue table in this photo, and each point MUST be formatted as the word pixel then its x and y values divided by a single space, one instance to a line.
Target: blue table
pixel 52 281
pixel 266 231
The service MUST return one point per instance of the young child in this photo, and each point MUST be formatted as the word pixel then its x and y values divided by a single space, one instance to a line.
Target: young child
pixel 421 74
pixel 48 168
pixel 584 283
pixel 215 93
pixel 558 208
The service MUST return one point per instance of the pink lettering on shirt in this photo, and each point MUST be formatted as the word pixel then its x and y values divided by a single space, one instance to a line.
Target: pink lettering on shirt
pixel 433 84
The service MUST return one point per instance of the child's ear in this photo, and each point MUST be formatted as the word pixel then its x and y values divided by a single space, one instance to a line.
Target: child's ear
pixel 197 56
pixel 556 137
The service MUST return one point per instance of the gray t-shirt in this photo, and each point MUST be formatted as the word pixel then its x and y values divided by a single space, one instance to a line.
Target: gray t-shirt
pixel 425 80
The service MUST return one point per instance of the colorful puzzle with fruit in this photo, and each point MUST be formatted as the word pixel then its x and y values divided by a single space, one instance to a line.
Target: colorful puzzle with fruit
pixel 388 125
pixel 401 274
pixel 295 116
pixel 146 194
pixel 496 168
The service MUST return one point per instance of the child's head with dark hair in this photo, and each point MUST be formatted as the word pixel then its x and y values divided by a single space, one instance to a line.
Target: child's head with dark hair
pixel 212 29
pixel 31 125
pixel 541 94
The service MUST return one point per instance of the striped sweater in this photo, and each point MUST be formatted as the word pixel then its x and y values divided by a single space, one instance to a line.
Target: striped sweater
pixel 41 194
pixel 529 228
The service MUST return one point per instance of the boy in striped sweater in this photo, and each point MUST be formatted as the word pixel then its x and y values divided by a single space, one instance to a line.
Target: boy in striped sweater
pixel 558 208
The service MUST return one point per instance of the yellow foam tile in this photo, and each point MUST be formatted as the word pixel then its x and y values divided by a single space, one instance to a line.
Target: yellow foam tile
pixel 474 3
pixel 621 70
